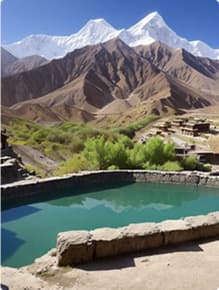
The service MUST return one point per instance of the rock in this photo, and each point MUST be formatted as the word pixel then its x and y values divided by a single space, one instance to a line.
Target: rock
pixel 174 231
pixel 52 252
pixel 203 226
pixel 74 247
pixel 142 236
pixel 107 242
pixel 215 214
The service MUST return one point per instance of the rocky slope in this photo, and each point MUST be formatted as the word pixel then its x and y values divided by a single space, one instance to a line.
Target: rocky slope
pixel 194 71
pixel 11 65
pixel 7 58
pixel 112 78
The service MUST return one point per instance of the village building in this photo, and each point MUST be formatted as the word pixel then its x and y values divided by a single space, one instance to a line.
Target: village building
pixel 179 122
pixel 164 127
pixel 208 157
pixel 195 128
pixel 184 149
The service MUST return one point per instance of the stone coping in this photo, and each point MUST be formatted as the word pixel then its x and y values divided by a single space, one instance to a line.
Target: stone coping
pixel 16 190
pixel 76 247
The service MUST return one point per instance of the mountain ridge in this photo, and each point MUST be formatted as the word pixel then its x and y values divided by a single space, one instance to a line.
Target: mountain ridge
pixel 12 65
pixel 113 78
pixel 151 28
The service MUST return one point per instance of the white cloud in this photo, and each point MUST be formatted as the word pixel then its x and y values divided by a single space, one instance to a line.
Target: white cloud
pixel 217 1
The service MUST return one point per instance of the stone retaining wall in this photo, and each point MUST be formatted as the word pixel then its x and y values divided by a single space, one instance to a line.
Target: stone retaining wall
pixel 77 247
pixel 39 187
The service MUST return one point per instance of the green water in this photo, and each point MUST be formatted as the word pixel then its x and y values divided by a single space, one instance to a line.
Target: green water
pixel 30 230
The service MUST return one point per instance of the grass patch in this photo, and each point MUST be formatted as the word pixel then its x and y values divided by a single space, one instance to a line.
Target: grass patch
pixel 38 171
pixel 131 129
pixel 59 142
pixel 214 143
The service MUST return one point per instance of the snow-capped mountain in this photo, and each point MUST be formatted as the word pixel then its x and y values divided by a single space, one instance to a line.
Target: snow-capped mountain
pixel 149 29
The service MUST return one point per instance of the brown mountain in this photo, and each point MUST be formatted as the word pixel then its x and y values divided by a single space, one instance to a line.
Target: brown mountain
pixel 24 64
pixel 89 77
pixel 112 78
pixel 12 65
pixel 7 59
pixel 199 73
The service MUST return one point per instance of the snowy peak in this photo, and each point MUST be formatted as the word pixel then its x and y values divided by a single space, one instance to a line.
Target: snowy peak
pixel 153 19
pixel 154 28
pixel 94 31
pixel 99 24
pixel 151 28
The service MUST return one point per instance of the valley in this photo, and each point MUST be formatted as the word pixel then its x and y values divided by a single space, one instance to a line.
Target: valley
pixel 109 145
pixel 52 108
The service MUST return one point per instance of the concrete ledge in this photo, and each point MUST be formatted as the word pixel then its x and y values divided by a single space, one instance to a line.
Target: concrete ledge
pixel 38 187
pixel 76 247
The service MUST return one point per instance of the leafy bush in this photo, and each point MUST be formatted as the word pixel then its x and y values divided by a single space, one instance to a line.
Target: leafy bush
pixel 131 129
pixel 112 167
pixel 157 152
pixel 137 157
pixel 171 166
pixel 98 148
pixel 75 164
pixel 36 170
pixel 59 137
pixel 76 145
pixel 207 167
pixel 102 153
pixel 190 163
pixel 122 153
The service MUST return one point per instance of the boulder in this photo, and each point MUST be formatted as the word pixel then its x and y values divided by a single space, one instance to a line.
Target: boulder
pixel 74 247
pixel 174 231
pixel 107 242
pixel 142 236
pixel 203 226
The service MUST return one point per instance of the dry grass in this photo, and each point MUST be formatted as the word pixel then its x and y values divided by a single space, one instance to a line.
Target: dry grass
pixel 214 143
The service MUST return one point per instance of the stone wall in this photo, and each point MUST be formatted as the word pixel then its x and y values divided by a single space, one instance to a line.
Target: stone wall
pixel 77 247
pixel 11 166
pixel 40 186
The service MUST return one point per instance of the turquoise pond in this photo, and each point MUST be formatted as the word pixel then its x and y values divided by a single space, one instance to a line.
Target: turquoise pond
pixel 29 229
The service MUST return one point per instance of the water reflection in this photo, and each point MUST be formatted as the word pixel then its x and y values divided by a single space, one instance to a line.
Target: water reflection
pixel 137 196
pixel 17 213
pixel 9 243
pixel 65 191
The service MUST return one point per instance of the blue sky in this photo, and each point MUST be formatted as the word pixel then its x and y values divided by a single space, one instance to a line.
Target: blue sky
pixel 193 19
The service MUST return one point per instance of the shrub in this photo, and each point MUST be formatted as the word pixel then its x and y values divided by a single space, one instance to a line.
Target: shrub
pixel 39 172
pixel 131 129
pixel 137 156
pixel 75 164
pixel 76 145
pixel 102 153
pixel 40 136
pixel 59 137
pixel 157 152
pixel 113 167
pixel 190 163
pixel 171 166
pixel 204 167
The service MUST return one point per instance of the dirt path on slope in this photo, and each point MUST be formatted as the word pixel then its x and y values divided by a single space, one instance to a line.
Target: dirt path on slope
pixel 35 158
